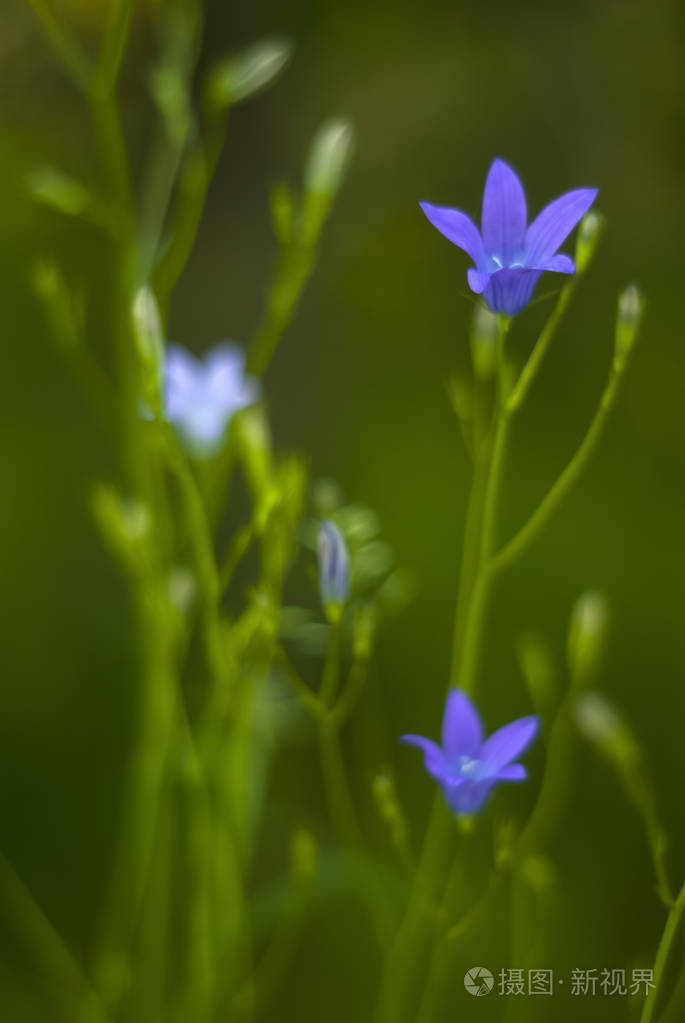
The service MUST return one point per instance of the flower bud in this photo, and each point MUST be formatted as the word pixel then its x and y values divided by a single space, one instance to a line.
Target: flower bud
pixel 484 335
pixel 629 315
pixel 237 78
pixel 586 637
pixel 329 157
pixel 589 232
pixel 600 723
pixel 333 569
pixel 364 632
pixel 150 341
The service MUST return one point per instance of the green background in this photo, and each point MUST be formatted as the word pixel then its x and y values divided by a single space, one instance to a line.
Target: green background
pixel 571 95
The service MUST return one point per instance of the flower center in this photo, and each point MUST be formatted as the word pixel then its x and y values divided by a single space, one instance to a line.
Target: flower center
pixel 468 766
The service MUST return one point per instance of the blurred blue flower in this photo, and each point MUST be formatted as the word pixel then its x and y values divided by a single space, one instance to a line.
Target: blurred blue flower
pixel 466 766
pixel 334 568
pixel 200 396
pixel 509 256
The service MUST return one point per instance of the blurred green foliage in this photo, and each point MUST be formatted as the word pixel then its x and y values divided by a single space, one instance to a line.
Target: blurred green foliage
pixel 570 95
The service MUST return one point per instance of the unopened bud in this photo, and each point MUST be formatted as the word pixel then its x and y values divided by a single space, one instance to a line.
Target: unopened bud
pixel 364 632
pixel 329 156
pixel 589 233
pixel 237 78
pixel 334 569
pixel 484 335
pixel 586 637
pixel 628 318
pixel 327 163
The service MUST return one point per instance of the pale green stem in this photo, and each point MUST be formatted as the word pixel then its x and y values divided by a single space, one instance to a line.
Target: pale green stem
pixel 331 670
pixel 114 47
pixel 337 788
pixel 532 367
pixel 74 61
pixel 295 265
pixel 65 981
pixel 663 955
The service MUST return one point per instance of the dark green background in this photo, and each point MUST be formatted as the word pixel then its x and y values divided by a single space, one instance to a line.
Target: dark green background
pixel 576 94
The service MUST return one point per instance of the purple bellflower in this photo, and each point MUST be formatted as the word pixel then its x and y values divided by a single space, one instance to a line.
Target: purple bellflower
pixel 510 256
pixel 201 396
pixel 466 766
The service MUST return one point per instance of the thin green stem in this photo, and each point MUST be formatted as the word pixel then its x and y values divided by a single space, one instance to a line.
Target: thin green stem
pixel 536 358
pixel 114 47
pixel 519 543
pixel 663 955
pixel 331 670
pixel 74 61
pixel 67 984
pixel 337 788
pixel 195 179
pixel 295 265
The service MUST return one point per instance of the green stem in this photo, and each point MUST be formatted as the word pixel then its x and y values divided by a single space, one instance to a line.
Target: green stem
pixel 519 543
pixel 532 367
pixel 114 47
pixel 331 670
pixel 295 265
pixel 74 62
pixel 663 955
pixel 337 789
pixel 196 177
pixel 68 986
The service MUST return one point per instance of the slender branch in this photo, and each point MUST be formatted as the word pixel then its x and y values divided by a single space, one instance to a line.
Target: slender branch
pixel 54 959
pixel 74 61
pixel 337 787
pixel 519 543
pixel 663 955
pixel 114 47
pixel 536 358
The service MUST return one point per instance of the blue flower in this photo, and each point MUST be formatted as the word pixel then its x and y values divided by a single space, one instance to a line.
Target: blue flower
pixel 334 568
pixel 466 766
pixel 509 256
pixel 201 396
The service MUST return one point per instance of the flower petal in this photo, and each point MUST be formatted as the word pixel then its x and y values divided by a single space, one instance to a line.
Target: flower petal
pixel 467 796
pixel 513 772
pixel 561 264
pixel 504 214
pixel 507 742
pixel 458 227
pixel 226 383
pixel 462 731
pixel 182 376
pixel 510 290
pixel 478 281
pixel 554 223
pixel 433 758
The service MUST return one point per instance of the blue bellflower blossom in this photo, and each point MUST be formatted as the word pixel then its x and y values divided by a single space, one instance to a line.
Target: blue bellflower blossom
pixel 201 396
pixel 334 567
pixel 509 255
pixel 467 766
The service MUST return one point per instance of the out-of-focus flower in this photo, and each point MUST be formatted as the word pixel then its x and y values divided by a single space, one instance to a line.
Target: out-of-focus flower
pixel 334 568
pixel 201 396
pixel 466 766
pixel 510 256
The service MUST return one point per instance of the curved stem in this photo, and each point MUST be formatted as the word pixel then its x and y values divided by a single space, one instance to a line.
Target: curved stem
pixel 663 955
pixel 531 368
pixel 338 791
pixel 519 543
